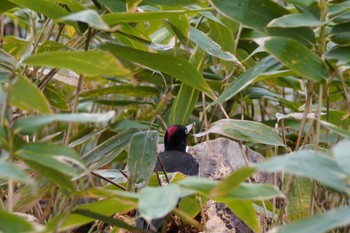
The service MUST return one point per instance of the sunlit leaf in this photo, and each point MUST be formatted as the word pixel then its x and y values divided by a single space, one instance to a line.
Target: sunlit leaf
pixel 88 16
pixel 296 56
pixel 47 8
pixel 90 63
pixel 56 97
pixel 32 123
pixel 126 17
pixel 174 66
pixel 128 90
pixel 30 99
pixel 296 20
pixel 15 46
pixel 6 5
pixel 243 130
pixel 257 14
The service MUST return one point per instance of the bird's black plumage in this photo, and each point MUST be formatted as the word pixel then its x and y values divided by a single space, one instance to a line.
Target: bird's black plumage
pixel 174 159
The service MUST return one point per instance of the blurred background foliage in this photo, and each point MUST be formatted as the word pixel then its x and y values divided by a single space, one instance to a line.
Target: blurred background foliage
pixel 88 88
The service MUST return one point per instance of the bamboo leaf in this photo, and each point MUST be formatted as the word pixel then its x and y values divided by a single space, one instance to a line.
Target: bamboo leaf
pixel 89 16
pixel 296 56
pixel 296 20
pixel 249 131
pixel 30 99
pixel 321 223
pixel 90 63
pixel 308 163
pixel 33 123
pixel 142 157
pixel 174 66
pixel 267 64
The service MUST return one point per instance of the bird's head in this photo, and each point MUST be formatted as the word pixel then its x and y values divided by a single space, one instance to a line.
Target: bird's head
pixel 176 137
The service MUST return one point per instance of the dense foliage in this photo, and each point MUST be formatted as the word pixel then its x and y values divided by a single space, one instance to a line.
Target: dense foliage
pixel 89 86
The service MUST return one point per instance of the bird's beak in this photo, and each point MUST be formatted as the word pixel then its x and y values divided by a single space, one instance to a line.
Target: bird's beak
pixel 189 127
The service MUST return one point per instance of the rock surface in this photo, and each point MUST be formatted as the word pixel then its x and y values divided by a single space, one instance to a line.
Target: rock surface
pixel 217 159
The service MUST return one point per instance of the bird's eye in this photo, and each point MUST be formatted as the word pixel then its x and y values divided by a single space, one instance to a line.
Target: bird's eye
pixel 186 131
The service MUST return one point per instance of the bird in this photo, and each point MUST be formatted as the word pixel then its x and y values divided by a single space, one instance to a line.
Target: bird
pixel 173 159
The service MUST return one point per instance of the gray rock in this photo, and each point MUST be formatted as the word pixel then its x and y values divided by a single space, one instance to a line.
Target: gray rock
pixel 217 159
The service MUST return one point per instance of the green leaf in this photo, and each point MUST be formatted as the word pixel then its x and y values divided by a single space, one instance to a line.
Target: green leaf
pixel 210 46
pixel 11 223
pixel 341 154
pixel 157 202
pixel 58 178
pixel 10 171
pixel 199 184
pixel 257 14
pixel 47 160
pixel 253 13
pixel 53 149
pixel 15 46
pixel 124 17
pixel 116 102
pixel 296 20
pixel 30 99
pixel 340 131
pixel 111 221
pixel 252 191
pixel 77 218
pixel 174 66
pixel 89 16
pixel 250 76
pixel 172 2
pixel 296 56
pixel 321 223
pixel 128 90
pixel 249 131
pixel 56 97
pixel 54 157
pixel 142 157
pixel 7 61
pixel 114 6
pixel 232 182
pixel 184 102
pixel 90 63
pixel 340 33
pixel 109 149
pixel 33 123
pixel 6 5
pixel 341 53
pixel 246 212
pixel 308 163
pixel 47 8
pixel 51 46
